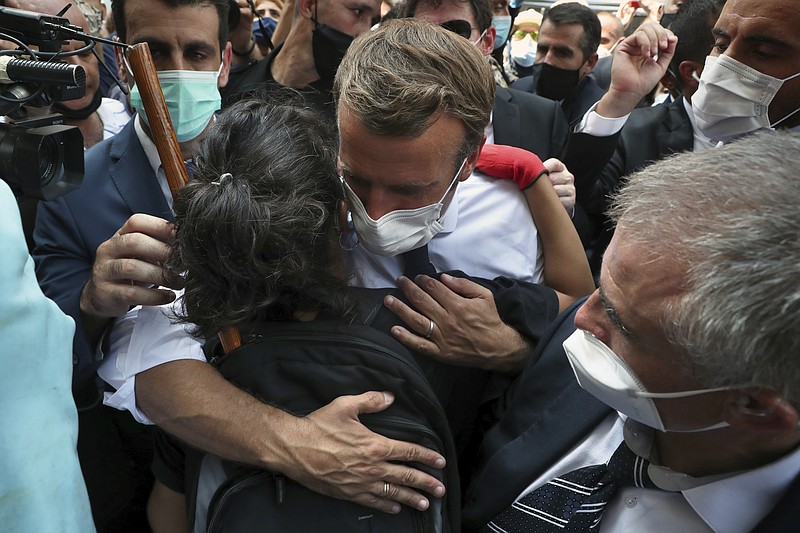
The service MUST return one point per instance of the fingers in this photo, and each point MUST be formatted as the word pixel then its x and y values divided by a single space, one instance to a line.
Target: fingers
pixel 554 166
pixel 463 287
pixel 371 402
pixel 155 227
pixel 424 305
pixel 651 39
pixel 126 267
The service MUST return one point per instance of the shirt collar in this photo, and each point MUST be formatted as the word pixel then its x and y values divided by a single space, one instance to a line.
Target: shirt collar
pixel 148 145
pixel 748 495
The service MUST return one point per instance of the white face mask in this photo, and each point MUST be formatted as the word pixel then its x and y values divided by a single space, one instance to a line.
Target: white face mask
pixel 604 375
pixel 733 99
pixel 398 231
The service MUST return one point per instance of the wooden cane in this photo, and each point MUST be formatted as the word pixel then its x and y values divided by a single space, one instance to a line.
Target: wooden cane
pixel 155 107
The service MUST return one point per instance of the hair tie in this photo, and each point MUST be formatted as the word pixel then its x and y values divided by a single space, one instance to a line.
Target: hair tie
pixel 223 178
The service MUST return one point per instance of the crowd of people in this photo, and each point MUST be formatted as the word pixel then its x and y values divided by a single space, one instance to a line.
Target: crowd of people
pixel 578 229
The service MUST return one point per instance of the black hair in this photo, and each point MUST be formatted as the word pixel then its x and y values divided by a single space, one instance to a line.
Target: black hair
pixel 222 7
pixel 575 13
pixel 692 26
pixel 481 10
pixel 256 236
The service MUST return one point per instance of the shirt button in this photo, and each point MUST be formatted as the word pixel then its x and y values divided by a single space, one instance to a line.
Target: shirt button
pixel 630 502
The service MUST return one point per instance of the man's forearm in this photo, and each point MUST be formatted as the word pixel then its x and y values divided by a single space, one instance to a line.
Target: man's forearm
pixel 191 400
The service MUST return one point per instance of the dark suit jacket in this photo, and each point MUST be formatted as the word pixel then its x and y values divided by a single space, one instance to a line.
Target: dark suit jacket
pixel 530 122
pixel 118 182
pixel 600 164
pixel 546 414
pixel 574 105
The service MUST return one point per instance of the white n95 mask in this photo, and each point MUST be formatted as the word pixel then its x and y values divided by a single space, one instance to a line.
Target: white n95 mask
pixel 398 231
pixel 604 375
pixel 733 99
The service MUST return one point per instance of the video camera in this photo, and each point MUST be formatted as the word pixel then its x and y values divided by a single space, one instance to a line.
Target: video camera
pixel 40 157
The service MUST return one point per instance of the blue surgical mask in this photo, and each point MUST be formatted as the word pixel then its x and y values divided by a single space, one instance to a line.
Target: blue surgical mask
pixel 503 26
pixel 192 98
pixel 269 26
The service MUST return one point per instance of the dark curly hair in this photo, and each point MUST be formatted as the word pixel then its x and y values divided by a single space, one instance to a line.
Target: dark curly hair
pixel 260 244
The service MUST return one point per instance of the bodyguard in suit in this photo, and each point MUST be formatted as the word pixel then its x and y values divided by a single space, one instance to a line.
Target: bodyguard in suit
pixel 90 263
pixel 652 133
pixel 685 355
pixel 566 55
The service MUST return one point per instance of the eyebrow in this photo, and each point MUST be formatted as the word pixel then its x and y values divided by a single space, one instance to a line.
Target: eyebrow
pixel 757 38
pixel 156 43
pixel 613 315
pixel 401 188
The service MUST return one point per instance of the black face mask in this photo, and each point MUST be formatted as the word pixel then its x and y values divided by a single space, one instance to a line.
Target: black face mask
pixel 328 46
pixel 79 114
pixel 667 18
pixel 553 82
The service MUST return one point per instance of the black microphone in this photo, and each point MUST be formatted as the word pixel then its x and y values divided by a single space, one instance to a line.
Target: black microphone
pixel 27 70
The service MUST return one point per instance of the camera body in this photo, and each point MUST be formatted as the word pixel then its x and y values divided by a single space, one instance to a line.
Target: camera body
pixel 40 156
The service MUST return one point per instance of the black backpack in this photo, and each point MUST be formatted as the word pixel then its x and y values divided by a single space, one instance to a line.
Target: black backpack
pixel 301 367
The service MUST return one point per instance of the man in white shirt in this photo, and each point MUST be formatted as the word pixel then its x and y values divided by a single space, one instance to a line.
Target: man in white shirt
pixel 389 173
pixel 689 347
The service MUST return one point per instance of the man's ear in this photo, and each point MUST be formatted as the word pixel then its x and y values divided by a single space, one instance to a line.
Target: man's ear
pixel 591 63
pixel 227 57
pixel 486 44
pixel 761 410
pixel 472 161
pixel 306 8
pixel 686 69
pixel 122 71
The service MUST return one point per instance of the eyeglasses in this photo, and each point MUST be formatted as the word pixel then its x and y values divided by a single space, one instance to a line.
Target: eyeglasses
pixel 459 27
pixel 520 34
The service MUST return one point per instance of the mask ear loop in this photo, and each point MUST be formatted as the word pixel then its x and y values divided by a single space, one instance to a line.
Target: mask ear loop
pixel 348 240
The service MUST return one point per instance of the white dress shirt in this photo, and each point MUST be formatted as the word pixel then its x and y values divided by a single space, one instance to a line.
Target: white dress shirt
pixel 488 232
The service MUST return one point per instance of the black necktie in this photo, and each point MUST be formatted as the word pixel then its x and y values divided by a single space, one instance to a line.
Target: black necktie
pixel 417 262
pixel 575 501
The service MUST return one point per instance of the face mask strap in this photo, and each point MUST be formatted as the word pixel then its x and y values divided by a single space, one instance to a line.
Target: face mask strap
pixel 681 394
pixel 478 40
pixel 452 183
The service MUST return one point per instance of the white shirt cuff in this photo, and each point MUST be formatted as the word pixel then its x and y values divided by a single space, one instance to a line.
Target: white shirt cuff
pixel 598 125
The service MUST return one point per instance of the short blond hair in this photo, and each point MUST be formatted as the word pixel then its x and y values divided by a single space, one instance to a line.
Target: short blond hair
pixel 399 79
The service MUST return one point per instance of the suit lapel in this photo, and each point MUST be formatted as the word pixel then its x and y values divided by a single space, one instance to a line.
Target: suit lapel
pixel 133 176
pixel 505 119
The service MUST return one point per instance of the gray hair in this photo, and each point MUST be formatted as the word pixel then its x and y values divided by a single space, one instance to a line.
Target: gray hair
pixel 729 217
pixel 399 79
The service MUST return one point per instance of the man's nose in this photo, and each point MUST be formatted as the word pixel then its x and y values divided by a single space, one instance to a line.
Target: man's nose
pixel 592 318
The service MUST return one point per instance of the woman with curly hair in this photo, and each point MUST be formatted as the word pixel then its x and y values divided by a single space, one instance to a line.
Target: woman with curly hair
pixel 257 241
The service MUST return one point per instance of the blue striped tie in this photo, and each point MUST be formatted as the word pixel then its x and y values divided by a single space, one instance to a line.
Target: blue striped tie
pixel 576 500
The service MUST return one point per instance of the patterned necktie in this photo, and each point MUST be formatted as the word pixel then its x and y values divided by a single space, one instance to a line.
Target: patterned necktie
pixel 417 262
pixel 575 501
